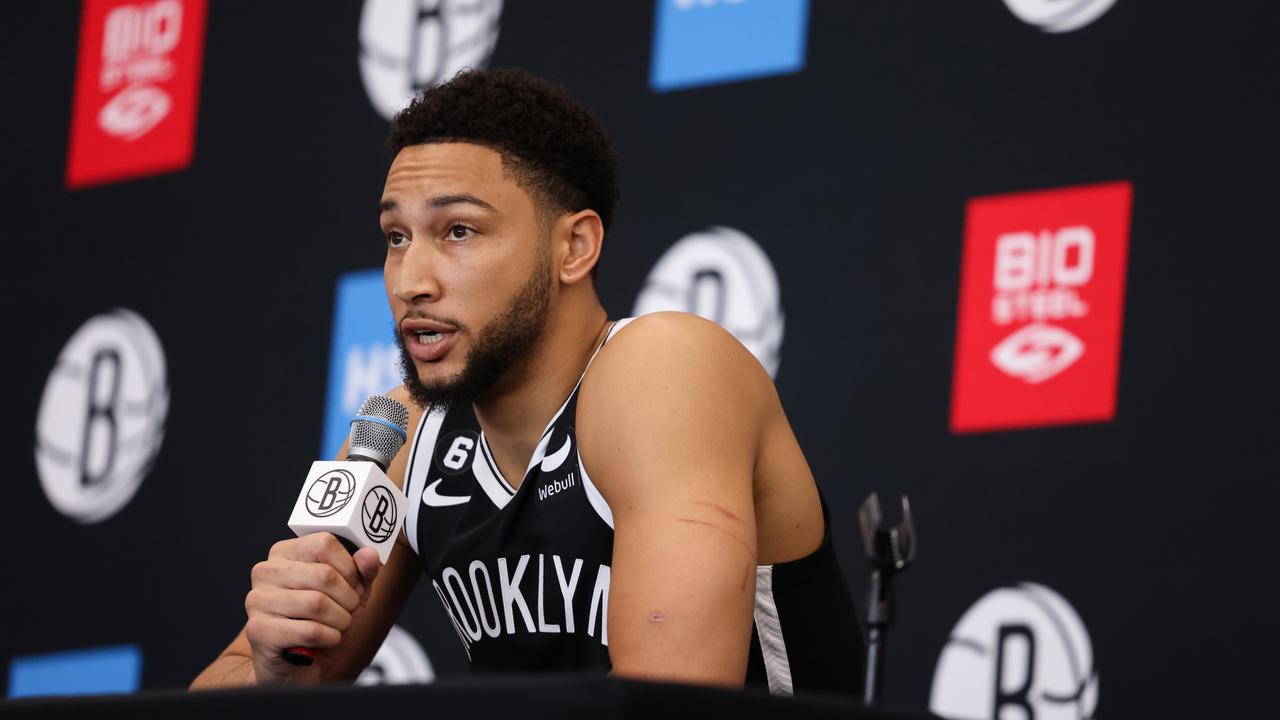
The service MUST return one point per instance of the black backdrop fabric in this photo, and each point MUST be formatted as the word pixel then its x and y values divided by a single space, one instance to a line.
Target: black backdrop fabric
pixel 852 173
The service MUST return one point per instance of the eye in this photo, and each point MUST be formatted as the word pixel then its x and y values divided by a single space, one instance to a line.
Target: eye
pixel 459 232
pixel 396 239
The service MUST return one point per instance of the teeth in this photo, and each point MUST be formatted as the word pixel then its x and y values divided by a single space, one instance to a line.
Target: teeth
pixel 430 338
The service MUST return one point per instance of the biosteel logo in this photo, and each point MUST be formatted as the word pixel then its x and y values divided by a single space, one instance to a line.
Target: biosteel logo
pixel 1041 300
pixel 137 79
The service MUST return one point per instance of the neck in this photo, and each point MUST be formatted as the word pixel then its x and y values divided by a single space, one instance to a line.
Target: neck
pixel 514 417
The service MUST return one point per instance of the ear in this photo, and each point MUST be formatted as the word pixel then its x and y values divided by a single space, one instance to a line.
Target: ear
pixel 583 236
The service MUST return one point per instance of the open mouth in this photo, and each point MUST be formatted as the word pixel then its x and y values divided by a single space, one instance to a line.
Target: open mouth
pixel 427 340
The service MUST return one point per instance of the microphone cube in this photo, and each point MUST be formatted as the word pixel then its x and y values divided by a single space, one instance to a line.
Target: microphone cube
pixel 352 499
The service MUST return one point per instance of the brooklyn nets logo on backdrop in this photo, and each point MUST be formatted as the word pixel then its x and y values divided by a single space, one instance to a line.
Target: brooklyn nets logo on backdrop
pixel 101 418
pixel 724 276
pixel 400 661
pixel 409 45
pixel 1059 16
pixel 1019 652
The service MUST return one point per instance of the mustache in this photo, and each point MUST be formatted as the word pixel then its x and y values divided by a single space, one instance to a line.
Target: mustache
pixel 423 315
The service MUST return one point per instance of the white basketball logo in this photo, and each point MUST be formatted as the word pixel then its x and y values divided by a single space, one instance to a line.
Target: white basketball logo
pixel 101 418
pixel 1019 652
pixel 1059 16
pixel 400 661
pixel 725 277
pixel 409 45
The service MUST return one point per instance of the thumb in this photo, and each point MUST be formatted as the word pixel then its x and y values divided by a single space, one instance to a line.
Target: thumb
pixel 368 564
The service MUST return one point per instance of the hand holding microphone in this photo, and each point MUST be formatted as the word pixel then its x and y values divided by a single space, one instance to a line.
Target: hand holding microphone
pixel 347 517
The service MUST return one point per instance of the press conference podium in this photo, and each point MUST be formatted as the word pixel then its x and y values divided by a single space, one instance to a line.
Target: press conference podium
pixel 565 696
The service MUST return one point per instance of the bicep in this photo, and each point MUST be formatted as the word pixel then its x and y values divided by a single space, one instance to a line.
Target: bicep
pixel 675 444
pixel 682 592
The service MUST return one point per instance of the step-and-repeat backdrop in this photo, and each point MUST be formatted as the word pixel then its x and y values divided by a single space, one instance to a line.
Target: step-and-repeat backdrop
pixel 1012 258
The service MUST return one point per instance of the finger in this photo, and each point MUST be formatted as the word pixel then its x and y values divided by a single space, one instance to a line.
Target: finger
pixel 319 548
pixel 299 605
pixel 367 563
pixel 328 550
pixel 271 634
pixel 296 575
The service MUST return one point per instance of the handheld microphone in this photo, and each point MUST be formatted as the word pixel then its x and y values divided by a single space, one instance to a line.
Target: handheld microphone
pixel 378 431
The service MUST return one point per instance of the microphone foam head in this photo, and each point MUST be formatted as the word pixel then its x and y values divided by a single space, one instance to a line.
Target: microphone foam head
pixel 380 429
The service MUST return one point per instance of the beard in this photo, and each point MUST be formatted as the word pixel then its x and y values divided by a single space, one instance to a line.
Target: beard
pixel 499 352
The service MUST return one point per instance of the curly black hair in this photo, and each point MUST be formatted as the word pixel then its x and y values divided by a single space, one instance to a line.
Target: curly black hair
pixel 555 148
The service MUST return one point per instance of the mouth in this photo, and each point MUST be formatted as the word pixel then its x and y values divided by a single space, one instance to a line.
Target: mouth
pixel 430 337
pixel 427 340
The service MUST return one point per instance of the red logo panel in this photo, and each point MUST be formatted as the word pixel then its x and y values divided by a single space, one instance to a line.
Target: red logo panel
pixel 1041 301
pixel 137 82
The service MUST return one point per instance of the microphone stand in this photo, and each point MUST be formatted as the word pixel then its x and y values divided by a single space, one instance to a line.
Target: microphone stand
pixel 890 551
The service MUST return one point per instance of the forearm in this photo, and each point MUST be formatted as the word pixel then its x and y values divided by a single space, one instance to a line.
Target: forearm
pixel 227 671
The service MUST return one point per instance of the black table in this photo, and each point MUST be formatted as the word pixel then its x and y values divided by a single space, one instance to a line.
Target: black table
pixel 508 697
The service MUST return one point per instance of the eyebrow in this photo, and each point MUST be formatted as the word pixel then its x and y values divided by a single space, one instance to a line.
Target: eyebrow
pixel 440 201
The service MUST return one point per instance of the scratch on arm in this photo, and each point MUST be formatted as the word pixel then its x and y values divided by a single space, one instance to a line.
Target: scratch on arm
pixel 736 539
pixel 724 512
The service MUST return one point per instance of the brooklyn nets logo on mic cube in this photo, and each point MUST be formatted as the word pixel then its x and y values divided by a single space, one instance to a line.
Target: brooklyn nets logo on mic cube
pixel 326 505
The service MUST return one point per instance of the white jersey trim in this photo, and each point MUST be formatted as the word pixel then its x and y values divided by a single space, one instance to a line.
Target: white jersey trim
pixel 488 477
pixel 598 503
pixel 414 483
pixel 485 469
pixel 773 646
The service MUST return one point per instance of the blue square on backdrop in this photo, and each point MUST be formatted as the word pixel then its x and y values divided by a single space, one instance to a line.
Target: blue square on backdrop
pixel 702 42
pixel 92 671
pixel 363 357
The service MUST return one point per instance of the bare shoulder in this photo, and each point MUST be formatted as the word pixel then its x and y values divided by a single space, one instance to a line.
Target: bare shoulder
pixel 680 347
pixel 673 368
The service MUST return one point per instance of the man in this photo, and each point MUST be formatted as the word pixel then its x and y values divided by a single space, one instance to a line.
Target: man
pixel 583 494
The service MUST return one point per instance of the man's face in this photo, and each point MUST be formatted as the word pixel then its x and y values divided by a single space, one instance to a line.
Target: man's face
pixel 468 270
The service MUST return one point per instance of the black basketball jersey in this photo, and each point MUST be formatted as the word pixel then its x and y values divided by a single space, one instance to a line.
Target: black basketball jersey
pixel 524 573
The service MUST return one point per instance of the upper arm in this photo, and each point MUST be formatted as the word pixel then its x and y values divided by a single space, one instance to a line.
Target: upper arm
pixel 670 419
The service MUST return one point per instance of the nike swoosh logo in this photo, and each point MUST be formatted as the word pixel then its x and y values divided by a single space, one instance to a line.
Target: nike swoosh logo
pixel 432 497
pixel 557 458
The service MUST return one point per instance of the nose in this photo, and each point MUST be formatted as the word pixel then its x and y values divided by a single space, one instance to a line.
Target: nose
pixel 412 276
